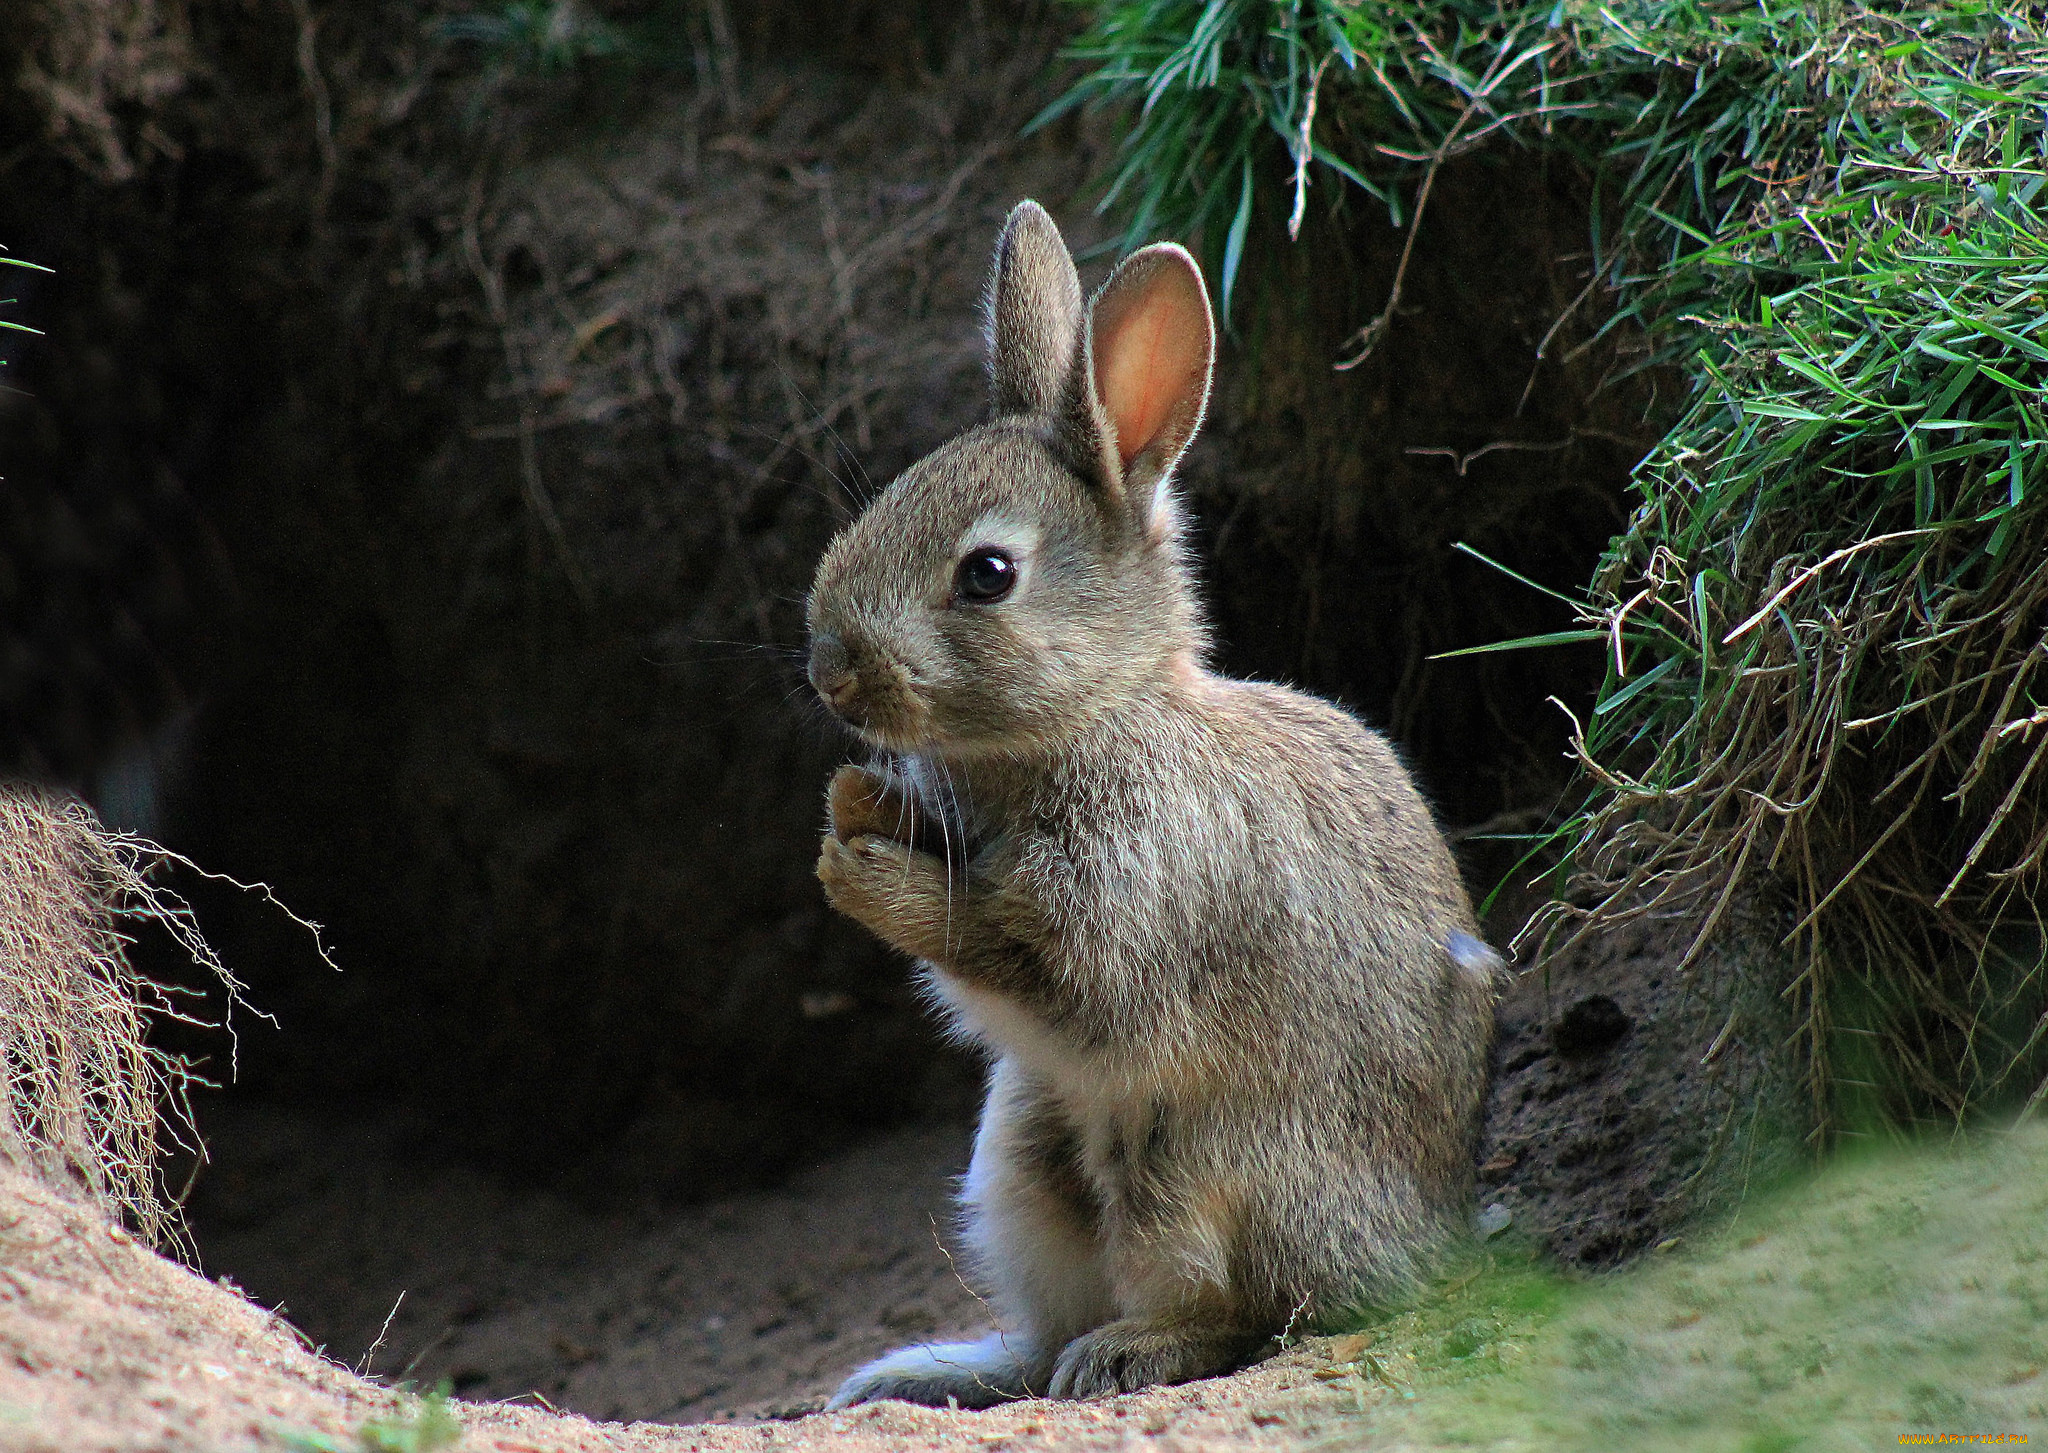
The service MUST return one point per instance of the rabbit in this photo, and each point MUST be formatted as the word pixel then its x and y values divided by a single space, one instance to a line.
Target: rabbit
pixel 1237 1005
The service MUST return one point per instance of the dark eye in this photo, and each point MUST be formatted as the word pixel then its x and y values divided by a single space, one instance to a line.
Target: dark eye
pixel 986 575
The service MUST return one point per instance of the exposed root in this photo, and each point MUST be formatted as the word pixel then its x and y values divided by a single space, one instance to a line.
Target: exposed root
pixel 87 1096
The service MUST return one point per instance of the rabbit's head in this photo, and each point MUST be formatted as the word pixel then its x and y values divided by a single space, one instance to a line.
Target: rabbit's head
pixel 1019 581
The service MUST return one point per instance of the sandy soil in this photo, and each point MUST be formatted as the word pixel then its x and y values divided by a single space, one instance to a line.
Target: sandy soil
pixel 760 1303
pixel 106 1346
pixel 1891 1294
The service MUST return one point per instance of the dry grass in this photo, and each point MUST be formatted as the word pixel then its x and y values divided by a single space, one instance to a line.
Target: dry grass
pixel 87 1096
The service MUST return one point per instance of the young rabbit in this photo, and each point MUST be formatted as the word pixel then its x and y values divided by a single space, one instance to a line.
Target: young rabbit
pixel 1232 987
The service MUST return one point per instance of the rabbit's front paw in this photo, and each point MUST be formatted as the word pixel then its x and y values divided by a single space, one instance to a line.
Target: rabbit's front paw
pixel 863 801
pixel 902 895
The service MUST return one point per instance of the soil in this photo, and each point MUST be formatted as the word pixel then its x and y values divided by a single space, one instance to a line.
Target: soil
pixel 373 1256
pixel 1633 1095
pixel 759 1304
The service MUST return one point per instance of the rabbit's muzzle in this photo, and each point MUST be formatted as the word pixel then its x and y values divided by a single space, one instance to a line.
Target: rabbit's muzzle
pixel 867 690
pixel 832 674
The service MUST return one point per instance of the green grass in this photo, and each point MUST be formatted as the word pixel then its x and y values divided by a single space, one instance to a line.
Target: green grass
pixel 6 323
pixel 1824 685
pixel 1222 88
pixel 418 1425
pixel 1903 1290
pixel 1827 699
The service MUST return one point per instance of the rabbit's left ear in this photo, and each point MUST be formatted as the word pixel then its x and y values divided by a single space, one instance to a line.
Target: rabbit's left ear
pixel 1034 315
pixel 1149 347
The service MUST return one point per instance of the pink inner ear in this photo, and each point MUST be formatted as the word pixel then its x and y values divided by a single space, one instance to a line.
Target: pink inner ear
pixel 1149 364
pixel 1137 381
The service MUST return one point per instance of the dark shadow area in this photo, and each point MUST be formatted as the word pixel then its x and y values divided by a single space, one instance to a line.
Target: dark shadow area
pixel 1332 499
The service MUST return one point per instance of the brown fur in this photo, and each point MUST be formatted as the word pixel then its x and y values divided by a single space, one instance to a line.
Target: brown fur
pixel 1207 928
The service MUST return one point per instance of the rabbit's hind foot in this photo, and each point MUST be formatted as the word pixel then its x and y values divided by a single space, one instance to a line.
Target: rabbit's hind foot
pixel 1134 1353
pixel 940 1374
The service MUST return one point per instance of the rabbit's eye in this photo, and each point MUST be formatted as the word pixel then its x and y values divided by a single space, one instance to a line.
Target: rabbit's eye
pixel 986 575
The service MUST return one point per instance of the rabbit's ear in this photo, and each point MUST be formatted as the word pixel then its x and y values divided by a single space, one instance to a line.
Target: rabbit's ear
pixel 1034 315
pixel 1150 347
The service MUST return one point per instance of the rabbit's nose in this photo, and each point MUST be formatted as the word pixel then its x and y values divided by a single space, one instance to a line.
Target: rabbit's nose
pixel 831 671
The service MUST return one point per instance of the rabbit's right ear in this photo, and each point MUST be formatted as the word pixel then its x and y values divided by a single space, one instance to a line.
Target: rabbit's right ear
pixel 1034 315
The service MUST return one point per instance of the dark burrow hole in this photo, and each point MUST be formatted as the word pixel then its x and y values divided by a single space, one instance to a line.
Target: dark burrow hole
pixel 277 596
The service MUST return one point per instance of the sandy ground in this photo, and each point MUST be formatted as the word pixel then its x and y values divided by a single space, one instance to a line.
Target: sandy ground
pixel 369 1238
pixel 756 1304
pixel 106 1346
